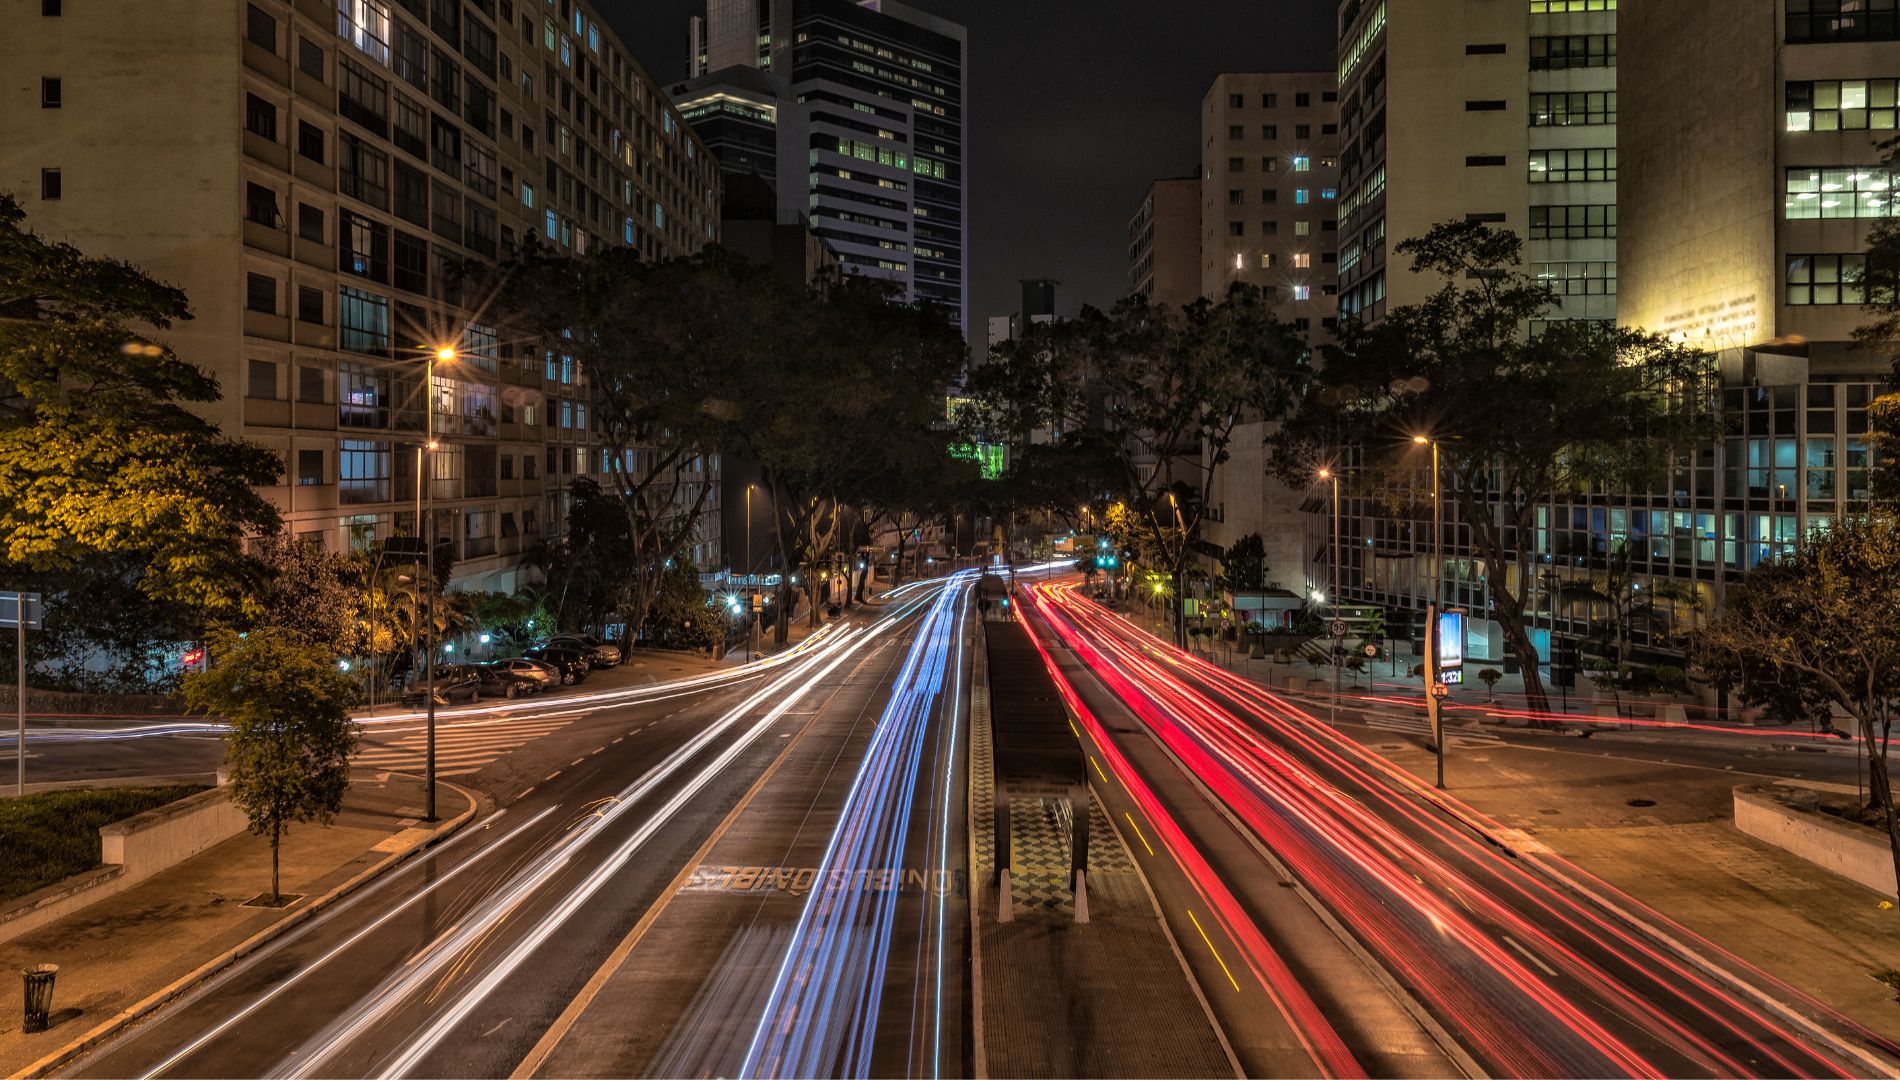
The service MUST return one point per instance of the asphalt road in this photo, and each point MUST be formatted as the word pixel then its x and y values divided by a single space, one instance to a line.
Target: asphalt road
pixel 1531 969
pixel 456 963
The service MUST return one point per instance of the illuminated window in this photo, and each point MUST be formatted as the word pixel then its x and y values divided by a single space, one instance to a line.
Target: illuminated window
pixel 1846 191
pixel 1824 279
pixel 1302 163
pixel 1842 105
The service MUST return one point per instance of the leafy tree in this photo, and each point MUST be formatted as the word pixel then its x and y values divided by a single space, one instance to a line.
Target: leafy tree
pixel 1519 420
pixel 588 568
pixel 313 594
pixel 667 350
pixel 511 620
pixel 1245 564
pixel 683 615
pixel 291 736
pixel 1490 677
pixel 1828 617
pixel 100 453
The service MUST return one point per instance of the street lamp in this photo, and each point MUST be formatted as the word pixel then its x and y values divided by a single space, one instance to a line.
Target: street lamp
pixel 1330 475
pixel 1438 603
pixel 425 508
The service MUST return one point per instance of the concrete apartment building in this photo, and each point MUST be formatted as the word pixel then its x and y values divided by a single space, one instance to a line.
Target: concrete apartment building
pixel 864 99
pixel 1164 242
pixel 1270 191
pixel 1500 111
pixel 310 172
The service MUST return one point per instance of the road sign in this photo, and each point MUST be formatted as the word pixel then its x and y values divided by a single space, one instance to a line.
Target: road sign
pixel 1338 628
pixel 1441 690
pixel 10 603
pixel 1372 650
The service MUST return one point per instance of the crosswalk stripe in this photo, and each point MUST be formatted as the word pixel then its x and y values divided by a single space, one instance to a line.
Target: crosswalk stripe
pixel 460 751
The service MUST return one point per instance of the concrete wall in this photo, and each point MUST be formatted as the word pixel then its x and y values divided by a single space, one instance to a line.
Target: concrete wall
pixel 1854 852
pixel 132 850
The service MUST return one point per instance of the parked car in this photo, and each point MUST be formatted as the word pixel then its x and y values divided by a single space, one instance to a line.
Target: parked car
pixel 498 680
pixel 571 664
pixel 598 652
pixel 544 675
pixel 452 682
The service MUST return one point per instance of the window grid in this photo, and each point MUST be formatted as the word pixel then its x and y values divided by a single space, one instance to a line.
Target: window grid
pixel 1842 105
pixel 1845 191
pixel 1824 279
pixel 1564 51
pixel 1579 165
pixel 1843 20
pixel 1573 109
pixel 1580 222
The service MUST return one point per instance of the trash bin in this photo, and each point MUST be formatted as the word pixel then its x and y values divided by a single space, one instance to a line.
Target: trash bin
pixel 39 995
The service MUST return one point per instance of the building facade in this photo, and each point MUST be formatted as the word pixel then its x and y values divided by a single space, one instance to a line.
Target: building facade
pixel 869 126
pixel 1164 243
pixel 1497 111
pixel 312 174
pixel 1270 191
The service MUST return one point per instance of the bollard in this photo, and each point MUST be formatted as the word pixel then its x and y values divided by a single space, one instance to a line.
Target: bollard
pixel 39 995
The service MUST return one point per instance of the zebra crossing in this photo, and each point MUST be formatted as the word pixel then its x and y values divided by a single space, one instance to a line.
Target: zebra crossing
pixel 460 749
pixel 1422 728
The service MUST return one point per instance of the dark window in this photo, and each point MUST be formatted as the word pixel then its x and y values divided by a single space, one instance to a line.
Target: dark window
pixel 49 7
pixel 49 184
pixel 260 28
pixel 1302 131
pixel 1489 48
pixel 445 81
pixel 260 206
pixel 1269 131
pixel 260 117
pixel 412 195
pixel 1484 106
pixel 362 172
pixel 310 385
pixel 1268 101
pixel 1235 101
pixel 412 128
pixel 412 263
pixel 260 293
pixel 445 140
pixel 310 58
pixel 361 96
pixel 263 380
pixel 1329 129
pixel 309 222
pixel 445 217
pixel 309 468
pixel 310 141
pixel 49 92
pixel 1301 101
pixel 1329 96
pixel 1477 161
pixel 1573 51
pixel 1572 222
pixel 309 304
pixel 411 60
pixel 1487 219
pixel 1843 20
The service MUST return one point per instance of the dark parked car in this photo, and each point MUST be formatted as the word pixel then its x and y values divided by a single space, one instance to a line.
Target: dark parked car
pixel 598 652
pixel 453 682
pixel 571 663
pixel 498 679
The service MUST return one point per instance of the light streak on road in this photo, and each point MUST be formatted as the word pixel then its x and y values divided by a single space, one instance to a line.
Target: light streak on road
pixel 1535 976
pixel 820 1018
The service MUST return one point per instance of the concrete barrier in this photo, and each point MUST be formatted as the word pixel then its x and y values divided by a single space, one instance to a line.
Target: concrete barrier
pixel 131 851
pixel 1295 683
pixel 1855 852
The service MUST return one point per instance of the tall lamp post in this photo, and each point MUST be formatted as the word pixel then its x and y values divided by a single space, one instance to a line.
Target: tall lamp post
pixel 1437 605
pixel 1332 475
pixel 425 501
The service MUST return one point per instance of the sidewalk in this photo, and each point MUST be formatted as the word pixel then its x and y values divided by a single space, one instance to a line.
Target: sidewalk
pixel 127 954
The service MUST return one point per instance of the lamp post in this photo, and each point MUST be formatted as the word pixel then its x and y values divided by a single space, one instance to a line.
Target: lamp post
pixel 1437 605
pixel 1329 474
pixel 425 511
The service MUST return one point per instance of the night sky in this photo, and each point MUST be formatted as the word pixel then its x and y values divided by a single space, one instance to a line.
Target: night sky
pixel 1074 106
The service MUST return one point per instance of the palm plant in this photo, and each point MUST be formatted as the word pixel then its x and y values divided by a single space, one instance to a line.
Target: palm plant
pixel 1628 601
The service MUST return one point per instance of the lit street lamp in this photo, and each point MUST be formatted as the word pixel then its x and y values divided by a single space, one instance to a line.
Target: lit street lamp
pixel 1437 605
pixel 425 509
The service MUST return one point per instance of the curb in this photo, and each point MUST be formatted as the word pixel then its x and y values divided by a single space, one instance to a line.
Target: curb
pixel 141 1009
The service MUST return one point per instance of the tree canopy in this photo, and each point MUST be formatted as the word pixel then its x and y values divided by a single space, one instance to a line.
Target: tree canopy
pixel 102 456
pixel 1519 419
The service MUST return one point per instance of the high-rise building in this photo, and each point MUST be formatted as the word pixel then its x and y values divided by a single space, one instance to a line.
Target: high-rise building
pixel 1480 110
pixel 1164 242
pixel 873 114
pixel 311 174
pixel 1270 191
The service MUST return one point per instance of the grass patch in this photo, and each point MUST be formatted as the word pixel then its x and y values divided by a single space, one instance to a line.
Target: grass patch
pixel 52 835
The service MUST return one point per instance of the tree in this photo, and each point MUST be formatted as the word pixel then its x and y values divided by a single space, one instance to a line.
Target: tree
pixel 1632 604
pixel 106 473
pixel 291 736
pixel 1490 677
pixel 1828 616
pixel 588 568
pixel 315 595
pixel 1519 420
pixel 1245 564
pixel 667 350
pixel 1168 387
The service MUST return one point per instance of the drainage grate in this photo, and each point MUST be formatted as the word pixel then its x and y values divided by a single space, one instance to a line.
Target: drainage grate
pixel 1642 802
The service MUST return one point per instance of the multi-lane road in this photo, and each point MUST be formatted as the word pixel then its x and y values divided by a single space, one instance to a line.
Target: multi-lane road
pixel 460 962
pixel 761 872
pixel 1515 961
